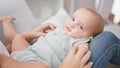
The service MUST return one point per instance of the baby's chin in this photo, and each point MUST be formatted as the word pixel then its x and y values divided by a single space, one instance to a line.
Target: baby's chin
pixel 69 34
pixel 66 32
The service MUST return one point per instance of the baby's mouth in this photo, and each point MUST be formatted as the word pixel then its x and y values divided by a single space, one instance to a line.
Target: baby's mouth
pixel 67 28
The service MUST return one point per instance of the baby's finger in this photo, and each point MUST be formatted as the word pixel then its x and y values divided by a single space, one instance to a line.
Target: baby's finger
pixel 41 34
pixel 52 26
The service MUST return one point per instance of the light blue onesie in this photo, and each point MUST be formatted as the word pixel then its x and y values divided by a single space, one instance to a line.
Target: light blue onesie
pixel 51 49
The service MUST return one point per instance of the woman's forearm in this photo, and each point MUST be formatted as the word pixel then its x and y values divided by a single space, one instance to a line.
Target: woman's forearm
pixel 11 63
pixel 3 59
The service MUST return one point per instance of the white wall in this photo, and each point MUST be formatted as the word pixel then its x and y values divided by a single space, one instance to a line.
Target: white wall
pixel 18 9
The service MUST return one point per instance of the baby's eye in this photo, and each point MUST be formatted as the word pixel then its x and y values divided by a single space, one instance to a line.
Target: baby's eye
pixel 81 27
pixel 73 19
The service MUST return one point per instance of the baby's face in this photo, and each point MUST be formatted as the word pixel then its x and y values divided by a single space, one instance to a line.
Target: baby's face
pixel 81 24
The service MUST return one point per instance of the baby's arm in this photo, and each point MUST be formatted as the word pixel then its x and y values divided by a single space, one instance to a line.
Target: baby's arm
pixel 38 31
pixel 7 62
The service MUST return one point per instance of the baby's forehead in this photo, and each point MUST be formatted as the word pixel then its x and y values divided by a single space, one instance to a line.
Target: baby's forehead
pixel 83 10
pixel 85 14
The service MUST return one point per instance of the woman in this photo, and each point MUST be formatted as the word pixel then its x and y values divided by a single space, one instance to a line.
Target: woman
pixel 104 48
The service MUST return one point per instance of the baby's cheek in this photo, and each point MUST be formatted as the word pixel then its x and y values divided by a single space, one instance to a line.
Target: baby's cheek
pixel 66 22
pixel 87 34
pixel 76 35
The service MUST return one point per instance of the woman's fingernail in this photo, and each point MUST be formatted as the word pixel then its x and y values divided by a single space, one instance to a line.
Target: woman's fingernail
pixel 91 63
pixel 89 52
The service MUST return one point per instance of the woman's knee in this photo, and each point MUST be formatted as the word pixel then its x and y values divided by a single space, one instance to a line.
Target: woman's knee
pixel 108 34
pixel 98 45
pixel 103 41
pixel 104 37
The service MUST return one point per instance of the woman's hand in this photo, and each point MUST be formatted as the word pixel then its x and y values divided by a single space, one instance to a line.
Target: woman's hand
pixel 41 30
pixel 3 59
pixel 77 57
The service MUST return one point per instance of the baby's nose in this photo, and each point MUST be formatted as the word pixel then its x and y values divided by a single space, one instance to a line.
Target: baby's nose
pixel 73 26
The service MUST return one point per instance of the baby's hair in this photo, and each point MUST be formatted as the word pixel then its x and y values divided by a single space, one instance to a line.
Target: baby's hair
pixel 98 17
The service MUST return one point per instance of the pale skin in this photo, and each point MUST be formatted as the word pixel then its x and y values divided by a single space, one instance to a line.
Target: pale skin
pixel 76 58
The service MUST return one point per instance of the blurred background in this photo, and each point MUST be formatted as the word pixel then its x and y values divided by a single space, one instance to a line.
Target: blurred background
pixel 109 9
pixel 41 10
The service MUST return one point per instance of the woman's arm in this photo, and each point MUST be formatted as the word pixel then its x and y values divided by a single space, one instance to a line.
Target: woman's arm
pixel 7 62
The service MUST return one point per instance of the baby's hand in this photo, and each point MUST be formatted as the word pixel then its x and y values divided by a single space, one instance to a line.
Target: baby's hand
pixel 48 27
pixel 38 31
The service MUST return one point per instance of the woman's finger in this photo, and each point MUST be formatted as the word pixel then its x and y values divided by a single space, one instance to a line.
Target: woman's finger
pixel 73 50
pixel 71 53
pixel 89 65
pixel 86 57
pixel 82 49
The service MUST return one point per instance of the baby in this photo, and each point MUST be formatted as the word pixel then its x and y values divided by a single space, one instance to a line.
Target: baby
pixel 51 49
